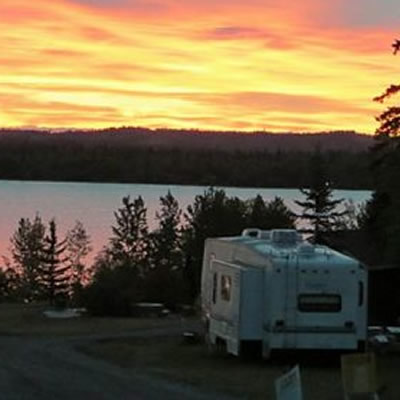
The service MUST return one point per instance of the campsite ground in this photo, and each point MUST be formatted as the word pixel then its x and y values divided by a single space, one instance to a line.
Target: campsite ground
pixel 106 358
pixel 172 359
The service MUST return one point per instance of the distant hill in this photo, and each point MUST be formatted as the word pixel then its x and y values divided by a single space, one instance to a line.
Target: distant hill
pixel 348 141
pixel 138 155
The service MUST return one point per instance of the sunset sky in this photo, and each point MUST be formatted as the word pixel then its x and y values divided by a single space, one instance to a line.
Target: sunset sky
pixel 277 65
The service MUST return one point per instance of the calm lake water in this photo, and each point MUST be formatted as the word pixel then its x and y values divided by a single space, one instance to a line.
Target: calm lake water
pixel 94 203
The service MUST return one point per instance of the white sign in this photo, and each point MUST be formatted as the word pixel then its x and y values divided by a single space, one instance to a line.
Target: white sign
pixel 288 386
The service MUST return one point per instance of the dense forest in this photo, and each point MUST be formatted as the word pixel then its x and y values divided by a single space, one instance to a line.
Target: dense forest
pixel 138 155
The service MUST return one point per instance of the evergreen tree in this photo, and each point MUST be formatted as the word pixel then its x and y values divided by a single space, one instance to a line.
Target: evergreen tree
pixel 26 248
pixel 78 246
pixel 11 284
pixel 319 208
pixel 278 215
pixel 269 215
pixel 212 214
pixel 120 268
pixel 383 217
pixel 4 290
pixel 164 281
pixel 129 244
pixel 257 213
pixel 54 272
pixel 166 239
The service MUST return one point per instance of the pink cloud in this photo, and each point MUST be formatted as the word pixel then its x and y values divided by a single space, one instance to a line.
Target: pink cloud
pixel 97 34
pixel 275 102
pixel 19 15
pixel 269 39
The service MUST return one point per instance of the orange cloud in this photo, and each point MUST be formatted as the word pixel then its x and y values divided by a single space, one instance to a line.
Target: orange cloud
pixel 259 64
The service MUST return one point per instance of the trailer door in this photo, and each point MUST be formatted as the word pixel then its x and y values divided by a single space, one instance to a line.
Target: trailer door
pixel 290 303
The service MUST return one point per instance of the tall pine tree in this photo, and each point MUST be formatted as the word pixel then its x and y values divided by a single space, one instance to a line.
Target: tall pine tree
pixel 165 277
pixel 319 207
pixel 129 244
pixel 166 239
pixel 54 272
pixel 121 267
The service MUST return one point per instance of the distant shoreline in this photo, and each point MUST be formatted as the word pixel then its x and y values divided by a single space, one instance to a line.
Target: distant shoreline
pixel 157 185
pixel 168 157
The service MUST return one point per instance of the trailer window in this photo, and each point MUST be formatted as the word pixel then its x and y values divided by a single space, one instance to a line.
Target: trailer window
pixel 319 302
pixel 226 287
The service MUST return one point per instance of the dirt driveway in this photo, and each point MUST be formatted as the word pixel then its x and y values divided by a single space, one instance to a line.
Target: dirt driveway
pixel 52 369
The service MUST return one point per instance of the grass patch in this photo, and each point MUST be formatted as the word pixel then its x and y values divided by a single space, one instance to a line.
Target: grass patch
pixel 28 319
pixel 170 358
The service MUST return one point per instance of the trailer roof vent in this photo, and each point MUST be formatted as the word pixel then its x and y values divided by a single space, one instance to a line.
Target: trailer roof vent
pixel 252 232
pixel 284 237
pixel 306 249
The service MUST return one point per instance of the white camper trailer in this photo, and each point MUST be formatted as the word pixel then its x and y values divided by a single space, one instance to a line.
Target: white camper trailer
pixel 272 290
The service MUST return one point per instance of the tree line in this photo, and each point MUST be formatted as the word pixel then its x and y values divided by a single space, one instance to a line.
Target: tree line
pixel 119 156
pixel 136 264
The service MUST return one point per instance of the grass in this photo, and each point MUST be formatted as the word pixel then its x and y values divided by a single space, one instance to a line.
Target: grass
pixel 28 319
pixel 170 358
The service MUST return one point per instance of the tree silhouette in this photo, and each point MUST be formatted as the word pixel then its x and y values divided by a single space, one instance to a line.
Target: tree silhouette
pixel 78 246
pixel 319 208
pixel 166 256
pixel 166 239
pixel 383 218
pixel 54 272
pixel 129 244
pixel 269 215
pixel 212 214
pixel 27 245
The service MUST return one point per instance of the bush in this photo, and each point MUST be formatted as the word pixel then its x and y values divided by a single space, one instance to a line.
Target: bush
pixel 112 291
pixel 166 287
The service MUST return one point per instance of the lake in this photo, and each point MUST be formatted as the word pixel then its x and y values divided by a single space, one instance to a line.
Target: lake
pixel 94 203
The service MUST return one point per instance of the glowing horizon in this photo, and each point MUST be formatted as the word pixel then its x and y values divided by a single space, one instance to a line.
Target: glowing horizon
pixel 216 65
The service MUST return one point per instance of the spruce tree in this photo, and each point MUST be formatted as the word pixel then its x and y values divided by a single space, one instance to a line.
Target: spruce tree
pixel 121 267
pixel 319 208
pixel 129 244
pixel 257 213
pixel 278 215
pixel 165 283
pixel 54 272
pixel 383 218
pixel 212 214
pixel 27 245
pixel 78 246
pixel 269 215
pixel 166 238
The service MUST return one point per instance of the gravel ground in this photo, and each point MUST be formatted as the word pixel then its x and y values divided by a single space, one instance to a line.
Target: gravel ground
pixel 52 369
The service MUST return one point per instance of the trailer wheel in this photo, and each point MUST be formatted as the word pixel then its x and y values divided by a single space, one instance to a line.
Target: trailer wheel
pixel 217 348
pixel 361 346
